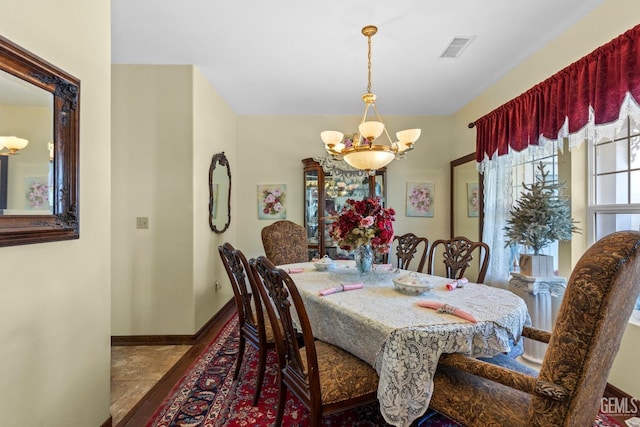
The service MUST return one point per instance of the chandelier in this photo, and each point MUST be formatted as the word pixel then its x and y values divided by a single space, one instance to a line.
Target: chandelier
pixel 362 152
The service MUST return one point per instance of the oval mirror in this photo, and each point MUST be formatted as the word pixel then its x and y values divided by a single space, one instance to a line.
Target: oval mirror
pixel 219 193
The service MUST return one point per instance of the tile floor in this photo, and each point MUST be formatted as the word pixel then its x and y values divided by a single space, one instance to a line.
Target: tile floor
pixel 134 370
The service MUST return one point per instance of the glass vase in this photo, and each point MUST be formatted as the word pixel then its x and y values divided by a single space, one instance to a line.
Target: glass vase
pixel 364 259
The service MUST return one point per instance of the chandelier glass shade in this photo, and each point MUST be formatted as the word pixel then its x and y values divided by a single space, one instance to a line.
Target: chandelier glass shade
pixel 12 144
pixel 364 151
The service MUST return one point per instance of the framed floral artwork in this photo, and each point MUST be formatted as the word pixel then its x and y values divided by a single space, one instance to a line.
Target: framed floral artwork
pixel 473 199
pixel 419 199
pixel 36 195
pixel 272 201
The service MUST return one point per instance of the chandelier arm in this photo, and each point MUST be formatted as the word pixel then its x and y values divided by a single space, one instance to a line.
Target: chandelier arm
pixel 393 145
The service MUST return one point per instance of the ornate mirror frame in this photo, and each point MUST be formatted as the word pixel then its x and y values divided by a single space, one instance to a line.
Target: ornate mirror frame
pixel 64 223
pixel 219 159
pixel 468 160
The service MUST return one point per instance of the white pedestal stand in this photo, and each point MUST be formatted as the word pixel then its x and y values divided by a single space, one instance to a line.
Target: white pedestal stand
pixel 543 296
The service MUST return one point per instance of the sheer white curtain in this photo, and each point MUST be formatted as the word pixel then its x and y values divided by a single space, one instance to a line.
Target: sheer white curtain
pixel 498 200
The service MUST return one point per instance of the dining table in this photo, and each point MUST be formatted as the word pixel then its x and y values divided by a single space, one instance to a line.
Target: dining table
pixel 399 337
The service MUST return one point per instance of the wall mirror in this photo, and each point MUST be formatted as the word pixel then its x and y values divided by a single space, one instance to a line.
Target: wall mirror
pixel 219 193
pixel 466 198
pixel 467 203
pixel 39 192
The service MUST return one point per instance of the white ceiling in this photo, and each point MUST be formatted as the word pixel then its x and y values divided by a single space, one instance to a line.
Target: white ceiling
pixel 309 57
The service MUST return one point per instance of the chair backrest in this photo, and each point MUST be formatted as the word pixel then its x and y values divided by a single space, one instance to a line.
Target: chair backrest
pixel 457 254
pixel 301 377
pixel 285 242
pixel 407 246
pixel 250 314
pixel 600 297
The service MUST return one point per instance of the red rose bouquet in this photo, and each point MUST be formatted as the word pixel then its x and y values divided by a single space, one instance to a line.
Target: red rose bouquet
pixel 364 222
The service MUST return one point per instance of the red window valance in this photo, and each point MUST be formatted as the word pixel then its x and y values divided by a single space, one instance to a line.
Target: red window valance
pixel 599 82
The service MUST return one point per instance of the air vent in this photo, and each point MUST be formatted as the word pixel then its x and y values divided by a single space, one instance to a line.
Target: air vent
pixel 457 45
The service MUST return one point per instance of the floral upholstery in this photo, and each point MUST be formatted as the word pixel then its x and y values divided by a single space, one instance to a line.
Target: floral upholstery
pixel 285 242
pixel 342 375
pixel 598 301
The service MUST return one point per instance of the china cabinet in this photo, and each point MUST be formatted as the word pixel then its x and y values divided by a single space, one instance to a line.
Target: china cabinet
pixel 325 192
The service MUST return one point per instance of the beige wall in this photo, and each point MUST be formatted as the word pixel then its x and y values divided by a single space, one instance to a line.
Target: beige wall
pixel 271 149
pixel 214 131
pixel 624 373
pixel 167 123
pixel 55 297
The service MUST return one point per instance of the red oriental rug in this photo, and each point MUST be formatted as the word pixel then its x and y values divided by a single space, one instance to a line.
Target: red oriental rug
pixel 207 396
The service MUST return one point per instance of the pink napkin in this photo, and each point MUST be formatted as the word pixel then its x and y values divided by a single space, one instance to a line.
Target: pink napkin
pixel 341 288
pixel 384 266
pixel 457 283
pixel 449 309
pixel 295 270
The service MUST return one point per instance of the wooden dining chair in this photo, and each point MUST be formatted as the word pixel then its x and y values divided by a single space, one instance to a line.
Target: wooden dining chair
pixel 597 304
pixel 285 242
pixel 457 254
pixel 325 378
pixel 254 326
pixel 407 247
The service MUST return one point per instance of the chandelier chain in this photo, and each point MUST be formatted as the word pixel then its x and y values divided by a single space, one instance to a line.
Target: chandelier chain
pixel 369 65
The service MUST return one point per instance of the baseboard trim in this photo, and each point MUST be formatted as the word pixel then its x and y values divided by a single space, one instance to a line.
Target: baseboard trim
pixel 108 423
pixel 613 391
pixel 128 340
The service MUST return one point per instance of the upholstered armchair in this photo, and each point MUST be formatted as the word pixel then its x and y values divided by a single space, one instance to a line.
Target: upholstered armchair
pixel 285 242
pixel 599 299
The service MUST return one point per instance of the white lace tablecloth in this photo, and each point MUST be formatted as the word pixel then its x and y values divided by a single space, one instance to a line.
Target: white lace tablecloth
pixel 402 340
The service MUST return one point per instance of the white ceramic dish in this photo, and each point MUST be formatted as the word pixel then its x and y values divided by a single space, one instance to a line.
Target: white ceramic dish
pixel 411 284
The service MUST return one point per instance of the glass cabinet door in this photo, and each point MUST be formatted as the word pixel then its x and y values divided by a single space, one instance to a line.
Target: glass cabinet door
pixel 312 214
pixel 324 197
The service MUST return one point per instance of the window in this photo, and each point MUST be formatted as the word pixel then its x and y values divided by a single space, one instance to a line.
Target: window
pixel 614 196
pixel 525 170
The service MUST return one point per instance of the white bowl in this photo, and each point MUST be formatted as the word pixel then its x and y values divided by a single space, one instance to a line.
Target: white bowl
pixel 411 284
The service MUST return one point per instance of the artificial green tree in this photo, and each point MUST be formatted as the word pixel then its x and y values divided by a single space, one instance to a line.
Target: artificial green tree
pixel 541 215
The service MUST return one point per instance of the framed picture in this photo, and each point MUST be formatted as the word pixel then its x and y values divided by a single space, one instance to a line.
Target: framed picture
pixel 473 199
pixel 36 193
pixel 420 199
pixel 272 201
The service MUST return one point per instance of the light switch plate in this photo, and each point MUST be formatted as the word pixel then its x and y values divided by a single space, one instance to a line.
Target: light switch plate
pixel 142 222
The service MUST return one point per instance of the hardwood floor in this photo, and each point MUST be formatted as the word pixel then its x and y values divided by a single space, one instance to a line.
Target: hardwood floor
pixel 135 400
